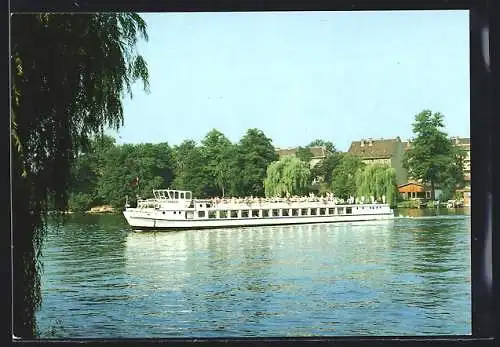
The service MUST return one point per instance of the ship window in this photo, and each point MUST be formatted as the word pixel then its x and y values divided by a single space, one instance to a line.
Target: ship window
pixel 244 213
pixel 182 195
pixel 188 195
pixel 340 210
pixel 314 212
pixel 234 214
pixel 201 214
pixel 276 213
pixel 285 212
pixel 322 211
pixel 255 213
pixel 265 213
pixel 295 212
pixel 163 212
pixel 176 195
pixel 174 212
pixel 212 214
pixel 331 211
pixel 304 212
pixel 348 210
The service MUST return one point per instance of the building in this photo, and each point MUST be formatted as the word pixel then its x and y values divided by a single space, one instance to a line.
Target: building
pixel 382 151
pixel 464 144
pixel 414 190
pixel 318 154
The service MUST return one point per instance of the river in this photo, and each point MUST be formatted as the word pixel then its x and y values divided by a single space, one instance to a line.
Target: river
pixel 409 276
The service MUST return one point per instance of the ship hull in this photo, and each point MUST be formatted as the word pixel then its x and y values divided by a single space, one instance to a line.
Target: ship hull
pixel 150 223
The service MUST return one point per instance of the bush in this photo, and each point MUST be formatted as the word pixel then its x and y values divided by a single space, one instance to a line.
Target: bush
pixel 80 202
pixel 408 204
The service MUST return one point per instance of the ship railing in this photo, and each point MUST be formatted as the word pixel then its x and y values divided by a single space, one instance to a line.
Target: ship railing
pixel 261 201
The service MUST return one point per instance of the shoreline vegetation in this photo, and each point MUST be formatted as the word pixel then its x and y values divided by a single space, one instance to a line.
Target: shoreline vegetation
pixel 407 204
pixel 104 173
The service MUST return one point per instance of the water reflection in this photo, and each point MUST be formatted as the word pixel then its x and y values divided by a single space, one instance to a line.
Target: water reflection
pixel 436 268
pixel 326 279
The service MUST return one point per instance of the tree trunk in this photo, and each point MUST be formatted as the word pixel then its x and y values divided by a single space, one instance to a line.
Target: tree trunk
pixel 26 277
pixel 433 197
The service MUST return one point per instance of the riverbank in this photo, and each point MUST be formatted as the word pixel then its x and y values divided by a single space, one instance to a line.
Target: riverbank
pixel 427 204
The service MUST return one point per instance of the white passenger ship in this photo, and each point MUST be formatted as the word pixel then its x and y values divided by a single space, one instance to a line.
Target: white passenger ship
pixel 177 209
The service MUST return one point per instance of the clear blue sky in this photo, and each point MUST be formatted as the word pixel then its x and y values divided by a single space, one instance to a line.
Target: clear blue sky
pixel 298 76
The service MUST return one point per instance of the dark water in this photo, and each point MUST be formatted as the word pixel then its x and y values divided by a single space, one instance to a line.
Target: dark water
pixel 410 276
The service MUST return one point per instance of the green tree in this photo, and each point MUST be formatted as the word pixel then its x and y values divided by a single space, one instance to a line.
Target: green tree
pixel 69 74
pixel 325 167
pixel 453 177
pixel 286 177
pixel 253 155
pixel 432 156
pixel 151 163
pixel 344 176
pixel 377 181
pixel 86 172
pixel 328 145
pixel 191 170
pixel 218 151
pixel 304 154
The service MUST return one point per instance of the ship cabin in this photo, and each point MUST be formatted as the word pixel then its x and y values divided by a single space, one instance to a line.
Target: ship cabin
pixel 249 212
pixel 166 199
pixel 180 205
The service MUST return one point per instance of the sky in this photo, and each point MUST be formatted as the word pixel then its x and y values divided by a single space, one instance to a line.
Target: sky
pixel 299 76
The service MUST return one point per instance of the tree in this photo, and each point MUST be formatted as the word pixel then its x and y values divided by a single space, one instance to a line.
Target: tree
pixel 191 170
pixel 286 177
pixel 218 151
pixel 432 156
pixel 377 181
pixel 304 154
pixel 322 143
pixel 344 176
pixel 69 74
pixel 86 170
pixel 253 155
pixel 152 164
pixel 325 167
pixel 453 177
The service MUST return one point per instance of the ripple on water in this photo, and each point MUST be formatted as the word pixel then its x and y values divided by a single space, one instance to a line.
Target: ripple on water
pixel 407 277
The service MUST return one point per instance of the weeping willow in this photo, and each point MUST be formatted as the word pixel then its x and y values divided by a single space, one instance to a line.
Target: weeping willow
pixel 377 181
pixel 68 75
pixel 286 177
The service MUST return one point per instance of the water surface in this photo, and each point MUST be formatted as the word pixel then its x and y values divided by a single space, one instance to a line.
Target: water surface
pixel 409 276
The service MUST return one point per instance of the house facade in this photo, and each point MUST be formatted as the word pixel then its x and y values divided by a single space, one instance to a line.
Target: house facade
pixel 382 151
pixel 464 144
pixel 414 190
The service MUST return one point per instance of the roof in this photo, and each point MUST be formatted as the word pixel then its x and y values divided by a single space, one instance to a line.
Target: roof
pixel 411 187
pixel 317 152
pixel 463 141
pixel 374 148
pixel 411 183
pixel 460 141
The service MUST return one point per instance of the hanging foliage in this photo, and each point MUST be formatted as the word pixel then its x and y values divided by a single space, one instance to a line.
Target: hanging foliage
pixel 286 177
pixel 69 75
pixel 377 181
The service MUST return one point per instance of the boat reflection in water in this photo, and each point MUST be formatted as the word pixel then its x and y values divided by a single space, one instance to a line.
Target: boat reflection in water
pixel 172 260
